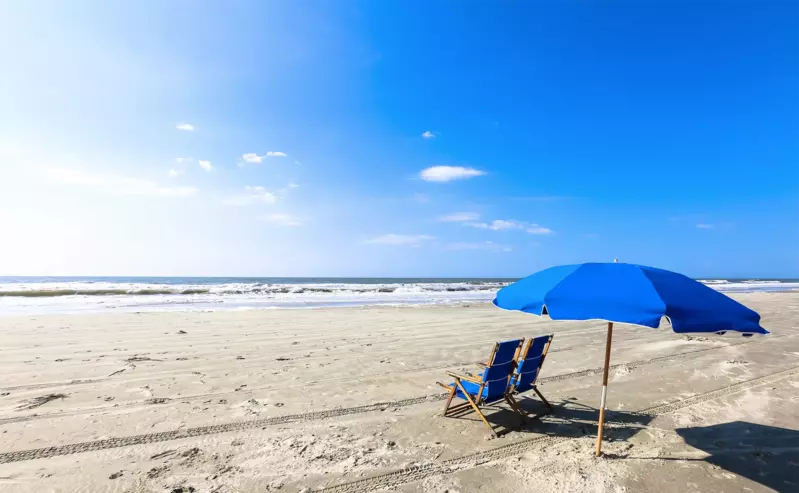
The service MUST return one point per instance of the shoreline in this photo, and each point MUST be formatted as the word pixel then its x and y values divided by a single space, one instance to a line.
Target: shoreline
pixel 193 303
pixel 233 306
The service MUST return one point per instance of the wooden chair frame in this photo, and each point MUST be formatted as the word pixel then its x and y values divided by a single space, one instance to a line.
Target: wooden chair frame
pixel 522 354
pixel 475 404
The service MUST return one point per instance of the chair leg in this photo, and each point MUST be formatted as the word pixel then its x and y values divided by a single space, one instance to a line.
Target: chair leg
pixel 476 409
pixel 449 399
pixel 515 405
pixel 459 409
pixel 543 399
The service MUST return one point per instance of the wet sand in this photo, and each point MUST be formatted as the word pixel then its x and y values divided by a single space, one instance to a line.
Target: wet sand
pixel 345 399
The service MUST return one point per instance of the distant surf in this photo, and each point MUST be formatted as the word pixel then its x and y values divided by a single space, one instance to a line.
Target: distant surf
pixel 29 295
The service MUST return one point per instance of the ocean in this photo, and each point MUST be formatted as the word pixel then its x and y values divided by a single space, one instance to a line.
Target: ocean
pixel 35 295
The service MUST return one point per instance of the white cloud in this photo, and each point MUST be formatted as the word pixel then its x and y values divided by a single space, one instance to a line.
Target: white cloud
pixel 252 195
pixel 174 173
pixel 459 217
pixel 255 189
pixel 428 135
pixel 449 173
pixel 117 185
pixel 535 229
pixel 186 127
pixel 291 186
pixel 283 220
pixel 485 245
pixel 183 160
pixel 404 240
pixel 252 158
pixel 502 224
pixel 705 226
pixel 498 225
pixel 206 165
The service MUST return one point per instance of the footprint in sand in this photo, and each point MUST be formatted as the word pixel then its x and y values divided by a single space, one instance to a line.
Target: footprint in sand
pixel 157 400
pixel 39 401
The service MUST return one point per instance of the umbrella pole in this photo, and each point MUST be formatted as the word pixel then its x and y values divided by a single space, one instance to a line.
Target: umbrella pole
pixel 604 391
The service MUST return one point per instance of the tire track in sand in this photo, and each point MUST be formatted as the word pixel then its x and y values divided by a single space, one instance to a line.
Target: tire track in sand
pixel 128 441
pixel 420 472
pixel 402 403
pixel 470 460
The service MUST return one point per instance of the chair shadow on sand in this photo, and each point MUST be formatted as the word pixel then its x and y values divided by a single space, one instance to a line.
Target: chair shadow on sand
pixel 768 455
pixel 566 419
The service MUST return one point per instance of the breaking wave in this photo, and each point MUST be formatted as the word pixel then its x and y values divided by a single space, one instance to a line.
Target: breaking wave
pixel 40 291
pixel 70 295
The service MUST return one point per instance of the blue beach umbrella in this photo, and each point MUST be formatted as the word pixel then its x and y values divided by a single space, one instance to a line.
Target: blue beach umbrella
pixel 630 294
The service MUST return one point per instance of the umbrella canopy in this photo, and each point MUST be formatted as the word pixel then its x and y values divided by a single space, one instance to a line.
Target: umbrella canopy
pixel 628 293
pixel 631 294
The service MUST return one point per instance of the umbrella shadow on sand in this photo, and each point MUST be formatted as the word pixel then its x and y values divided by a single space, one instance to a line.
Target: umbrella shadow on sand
pixel 566 419
pixel 768 455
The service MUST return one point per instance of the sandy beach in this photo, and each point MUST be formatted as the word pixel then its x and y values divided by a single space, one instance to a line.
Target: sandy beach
pixel 344 399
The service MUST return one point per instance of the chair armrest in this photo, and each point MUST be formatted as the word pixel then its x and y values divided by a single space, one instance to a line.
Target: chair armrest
pixel 457 376
pixel 481 364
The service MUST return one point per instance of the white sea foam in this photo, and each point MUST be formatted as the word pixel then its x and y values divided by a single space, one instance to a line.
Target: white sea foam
pixel 89 296
pixel 80 296
pixel 755 285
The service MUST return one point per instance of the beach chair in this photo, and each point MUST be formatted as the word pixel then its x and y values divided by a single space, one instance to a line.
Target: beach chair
pixel 529 361
pixel 489 386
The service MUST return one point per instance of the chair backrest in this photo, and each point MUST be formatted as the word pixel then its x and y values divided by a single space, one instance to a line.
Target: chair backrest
pixel 499 368
pixel 530 363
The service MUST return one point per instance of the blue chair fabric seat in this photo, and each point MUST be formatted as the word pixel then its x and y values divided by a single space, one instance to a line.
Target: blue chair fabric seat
pixel 529 363
pixel 489 386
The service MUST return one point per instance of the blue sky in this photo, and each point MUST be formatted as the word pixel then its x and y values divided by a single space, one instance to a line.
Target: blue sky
pixel 389 138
